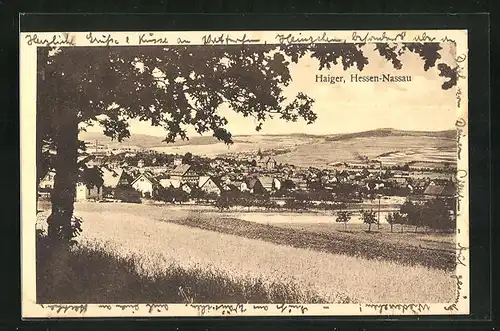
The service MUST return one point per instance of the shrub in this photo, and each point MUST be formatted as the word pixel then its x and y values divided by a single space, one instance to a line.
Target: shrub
pixel 127 194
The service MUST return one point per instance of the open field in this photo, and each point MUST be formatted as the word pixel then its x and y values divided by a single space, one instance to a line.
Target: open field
pixel 135 231
pixel 320 222
pixel 372 246
pixel 242 144
pixel 320 152
pixel 96 273
pixel 405 149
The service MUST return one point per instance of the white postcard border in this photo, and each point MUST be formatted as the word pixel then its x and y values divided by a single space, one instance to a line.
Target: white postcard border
pixel 28 52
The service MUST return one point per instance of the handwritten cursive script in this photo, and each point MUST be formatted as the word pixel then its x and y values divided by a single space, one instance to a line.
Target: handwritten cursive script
pixel 415 308
pixel 150 38
pixel 301 39
pixel 56 40
pixel 384 37
pixel 104 39
pixel 459 282
pixel 63 308
pixel 286 307
pixel 460 124
pixel 225 309
pixel 129 306
pixel 157 306
pixel 226 39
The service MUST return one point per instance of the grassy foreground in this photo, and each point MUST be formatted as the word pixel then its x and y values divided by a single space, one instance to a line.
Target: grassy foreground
pixel 96 274
pixel 333 242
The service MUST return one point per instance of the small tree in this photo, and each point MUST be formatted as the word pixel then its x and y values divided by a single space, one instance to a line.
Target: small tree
pixel 181 195
pixel 291 204
pixel 224 202
pixel 399 218
pixel 439 214
pixel 187 158
pixel 369 218
pixel 390 219
pixel 413 213
pixel 343 216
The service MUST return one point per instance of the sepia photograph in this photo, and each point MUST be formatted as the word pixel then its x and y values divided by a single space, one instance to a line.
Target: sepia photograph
pixel 244 173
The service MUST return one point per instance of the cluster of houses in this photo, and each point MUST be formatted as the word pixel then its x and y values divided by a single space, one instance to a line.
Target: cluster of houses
pixel 147 182
pixel 264 175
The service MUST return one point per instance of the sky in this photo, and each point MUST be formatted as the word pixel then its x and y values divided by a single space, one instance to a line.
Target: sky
pixel 420 105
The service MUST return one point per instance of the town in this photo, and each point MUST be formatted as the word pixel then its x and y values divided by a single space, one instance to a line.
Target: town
pixel 132 174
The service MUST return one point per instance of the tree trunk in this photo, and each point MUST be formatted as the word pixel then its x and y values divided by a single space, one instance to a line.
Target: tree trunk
pixel 38 163
pixel 391 227
pixel 402 228
pixel 369 227
pixel 345 226
pixel 64 192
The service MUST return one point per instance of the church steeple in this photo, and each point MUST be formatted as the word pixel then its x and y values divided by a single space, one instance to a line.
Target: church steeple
pixel 259 154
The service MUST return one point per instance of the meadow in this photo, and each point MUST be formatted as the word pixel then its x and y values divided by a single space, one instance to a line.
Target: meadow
pixel 397 150
pixel 215 259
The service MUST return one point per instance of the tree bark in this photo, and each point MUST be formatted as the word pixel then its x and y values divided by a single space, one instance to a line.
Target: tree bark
pixel 38 161
pixel 64 192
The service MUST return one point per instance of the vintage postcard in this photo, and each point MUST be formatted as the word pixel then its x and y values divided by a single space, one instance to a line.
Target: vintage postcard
pixel 244 173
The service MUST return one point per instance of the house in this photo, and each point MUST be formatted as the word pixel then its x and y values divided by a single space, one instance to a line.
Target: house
pixel 374 185
pixel 255 186
pixel 268 163
pixel 89 185
pixel 177 161
pixel 169 182
pixel 47 182
pixel 419 184
pixel 157 170
pixel 187 187
pixel 85 192
pixel 438 188
pixel 110 177
pixel 401 181
pixel 115 177
pixel 300 183
pixel 270 184
pixel 209 185
pixel 240 185
pixel 185 173
pixel 146 184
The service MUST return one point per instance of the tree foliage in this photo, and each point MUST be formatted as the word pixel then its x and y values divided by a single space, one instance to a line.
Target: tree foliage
pixel 368 217
pixel 436 214
pixel 343 216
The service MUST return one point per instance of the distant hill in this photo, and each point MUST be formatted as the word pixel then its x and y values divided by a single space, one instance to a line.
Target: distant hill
pixel 386 132
pixel 144 140
pixel 148 141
